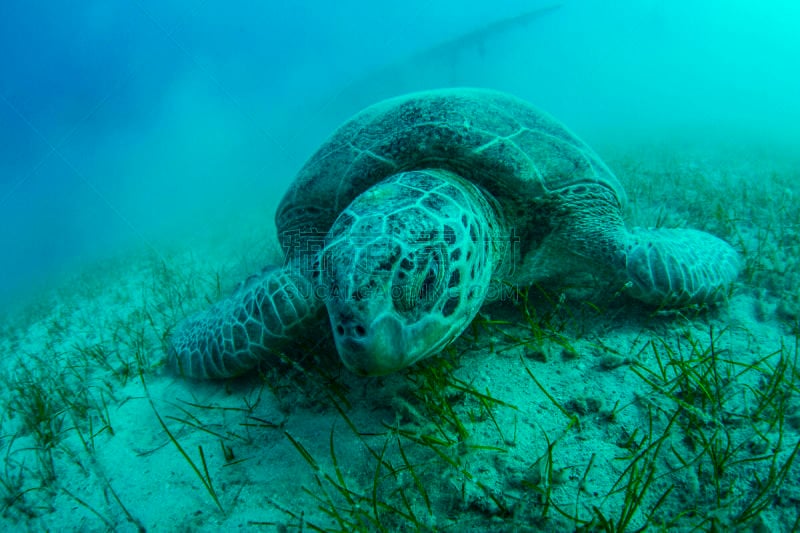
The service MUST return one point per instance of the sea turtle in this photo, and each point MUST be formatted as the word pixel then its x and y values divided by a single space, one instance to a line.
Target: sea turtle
pixel 420 208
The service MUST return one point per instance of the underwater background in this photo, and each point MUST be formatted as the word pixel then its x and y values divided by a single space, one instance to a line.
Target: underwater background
pixel 131 123
pixel 144 147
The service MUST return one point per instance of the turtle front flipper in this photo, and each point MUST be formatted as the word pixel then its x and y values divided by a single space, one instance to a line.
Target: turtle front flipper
pixel 262 316
pixel 674 267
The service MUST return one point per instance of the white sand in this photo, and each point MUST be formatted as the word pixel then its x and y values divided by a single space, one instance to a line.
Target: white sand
pixel 704 438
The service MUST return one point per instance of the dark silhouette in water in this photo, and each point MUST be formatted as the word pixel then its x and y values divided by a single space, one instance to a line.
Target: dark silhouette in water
pixel 438 65
pixel 475 40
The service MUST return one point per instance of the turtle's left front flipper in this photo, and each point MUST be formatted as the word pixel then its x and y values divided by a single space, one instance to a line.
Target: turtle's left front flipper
pixel 674 267
pixel 261 317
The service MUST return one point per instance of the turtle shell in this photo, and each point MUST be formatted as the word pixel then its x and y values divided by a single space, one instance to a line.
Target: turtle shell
pixel 521 155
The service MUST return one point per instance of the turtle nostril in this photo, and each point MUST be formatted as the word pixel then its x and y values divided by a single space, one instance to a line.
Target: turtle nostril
pixel 346 328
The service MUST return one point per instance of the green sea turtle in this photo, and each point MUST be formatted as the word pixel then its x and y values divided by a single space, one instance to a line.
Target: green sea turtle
pixel 402 224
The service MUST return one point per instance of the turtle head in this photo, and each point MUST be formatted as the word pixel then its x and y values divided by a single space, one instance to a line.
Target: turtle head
pixel 404 270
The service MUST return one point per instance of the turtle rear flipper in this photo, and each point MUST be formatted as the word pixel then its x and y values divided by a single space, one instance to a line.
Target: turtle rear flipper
pixel 261 317
pixel 673 267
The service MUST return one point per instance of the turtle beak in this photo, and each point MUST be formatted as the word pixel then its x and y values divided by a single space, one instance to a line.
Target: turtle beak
pixel 369 349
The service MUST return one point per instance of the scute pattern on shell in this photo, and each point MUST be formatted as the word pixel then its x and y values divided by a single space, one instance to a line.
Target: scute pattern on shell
pixel 496 140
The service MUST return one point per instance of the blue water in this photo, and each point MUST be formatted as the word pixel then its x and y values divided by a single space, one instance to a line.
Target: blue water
pixel 131 124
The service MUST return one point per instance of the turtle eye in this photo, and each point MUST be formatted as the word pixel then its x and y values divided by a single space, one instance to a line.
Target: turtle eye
pixel 402 293
pixel 420 279
pixel 429 283
pixel 428 289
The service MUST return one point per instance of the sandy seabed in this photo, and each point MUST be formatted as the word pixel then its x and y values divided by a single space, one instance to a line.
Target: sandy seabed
pixel 572 408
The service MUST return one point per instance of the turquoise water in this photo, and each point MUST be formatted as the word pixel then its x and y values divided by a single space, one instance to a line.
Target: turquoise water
pixel 144 148
pixel 126 123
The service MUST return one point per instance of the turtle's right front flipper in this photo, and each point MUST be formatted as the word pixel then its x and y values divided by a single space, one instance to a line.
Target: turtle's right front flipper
pixel 261 317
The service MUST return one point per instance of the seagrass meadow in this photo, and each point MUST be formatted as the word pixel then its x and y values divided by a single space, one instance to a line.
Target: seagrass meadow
pixel 144 151
pixel 570 407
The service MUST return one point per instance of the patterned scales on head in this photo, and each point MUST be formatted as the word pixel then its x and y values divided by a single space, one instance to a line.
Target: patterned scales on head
pixel 425 202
